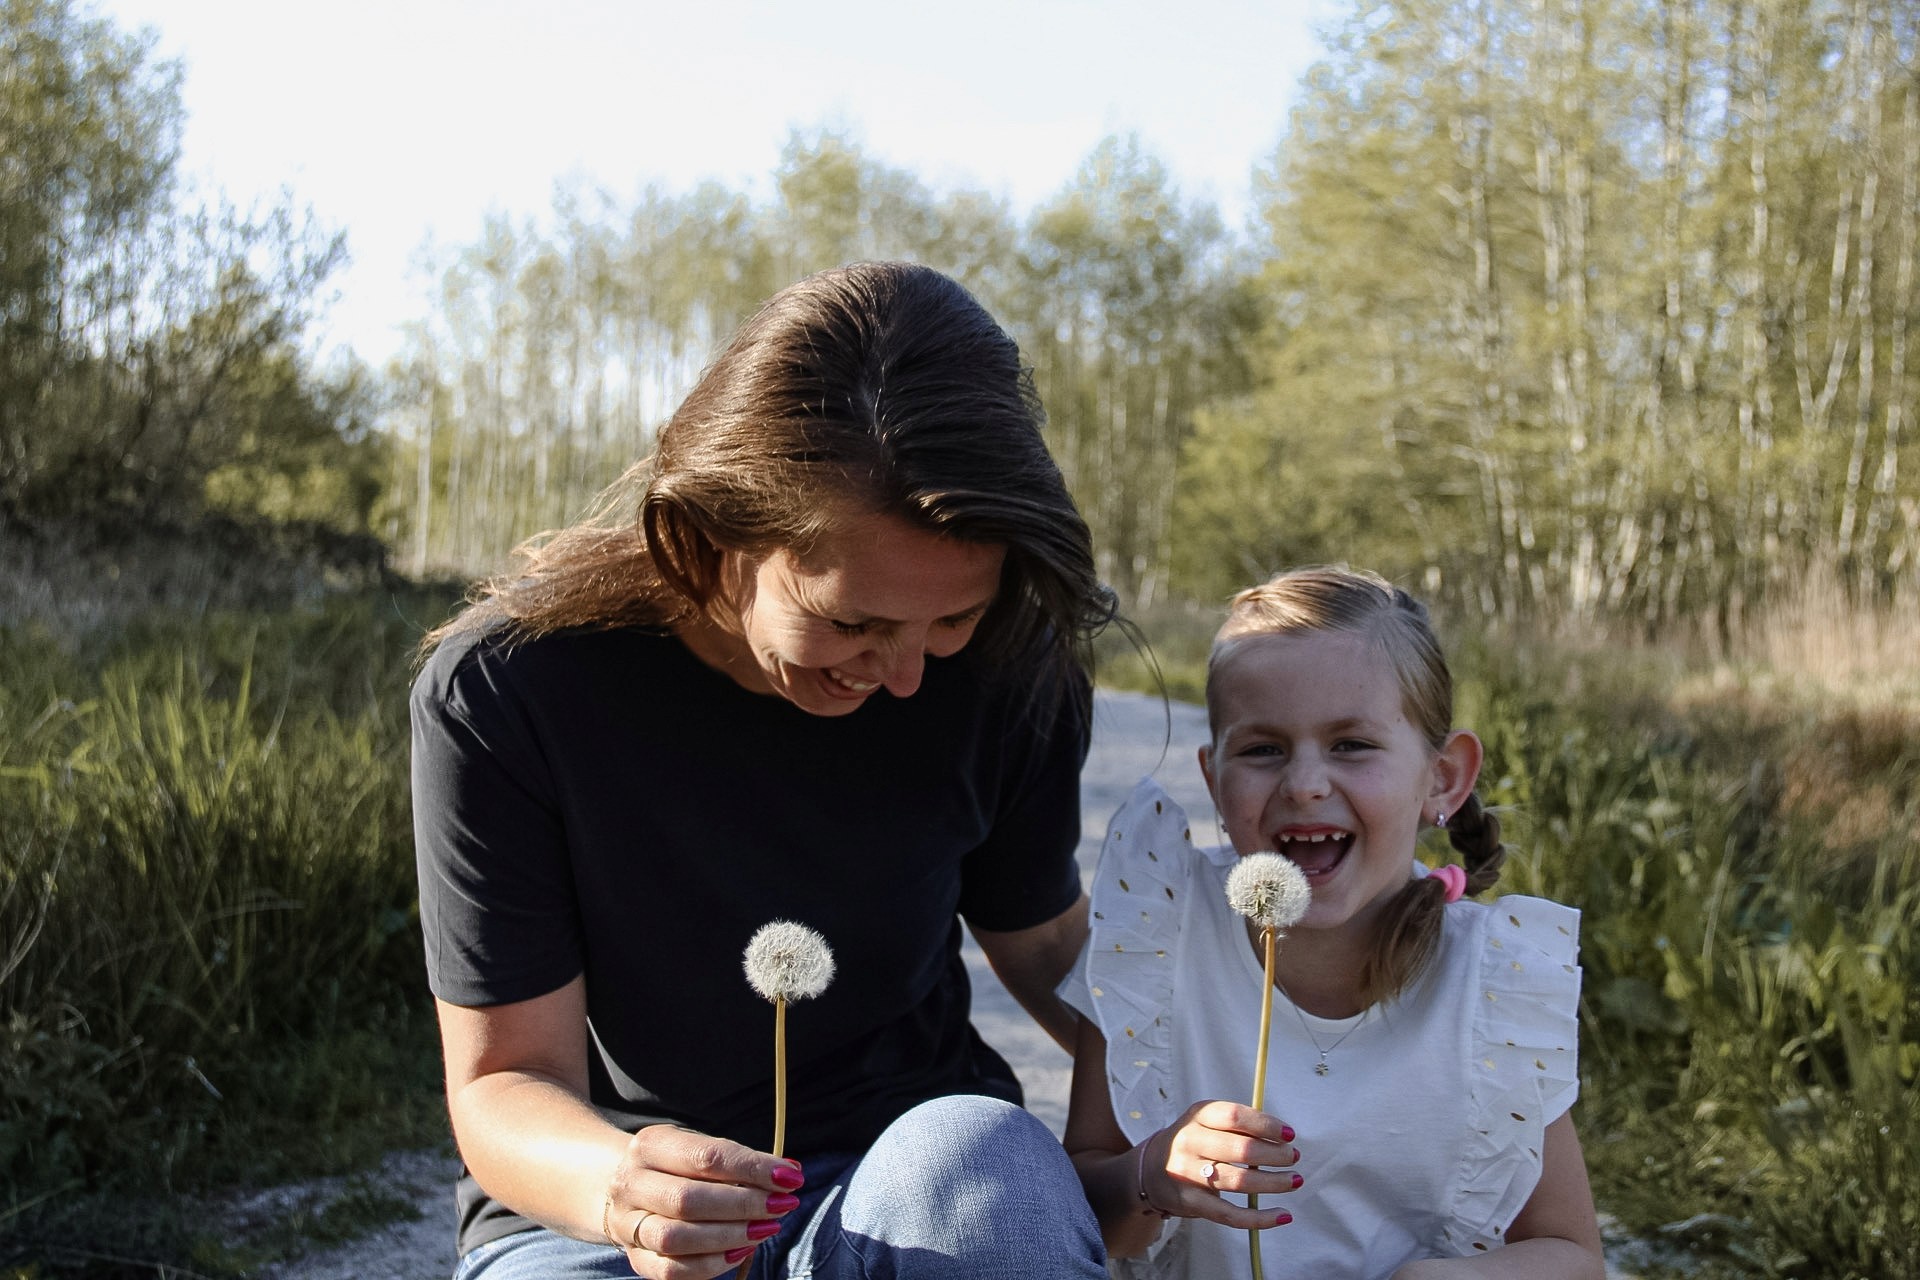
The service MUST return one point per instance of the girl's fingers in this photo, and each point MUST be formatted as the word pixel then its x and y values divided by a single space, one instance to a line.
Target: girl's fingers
pixel 1223 1149
pixel 1218 1176
pixel 1232 1117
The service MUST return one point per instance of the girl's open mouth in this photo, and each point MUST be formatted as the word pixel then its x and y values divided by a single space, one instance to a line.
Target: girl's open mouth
pixel 1318 853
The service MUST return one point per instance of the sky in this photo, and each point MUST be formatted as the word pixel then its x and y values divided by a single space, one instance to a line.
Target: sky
pixel 404 122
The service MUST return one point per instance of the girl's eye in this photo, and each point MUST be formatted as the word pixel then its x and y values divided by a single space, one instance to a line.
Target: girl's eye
pixel 1352 744
pixel 1261 749
pixel 848 628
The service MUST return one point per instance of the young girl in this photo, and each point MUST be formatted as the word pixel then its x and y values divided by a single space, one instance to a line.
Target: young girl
pixel 1422 1052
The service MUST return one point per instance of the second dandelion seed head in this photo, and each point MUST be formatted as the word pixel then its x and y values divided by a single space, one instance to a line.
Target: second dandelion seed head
pixel 1269 890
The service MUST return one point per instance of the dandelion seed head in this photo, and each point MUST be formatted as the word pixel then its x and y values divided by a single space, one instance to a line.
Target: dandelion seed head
pixel 1269 890
pixel 788 961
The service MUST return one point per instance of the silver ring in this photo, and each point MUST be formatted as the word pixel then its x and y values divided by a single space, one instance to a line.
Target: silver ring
pixel 633 1238
pixel 1207 1171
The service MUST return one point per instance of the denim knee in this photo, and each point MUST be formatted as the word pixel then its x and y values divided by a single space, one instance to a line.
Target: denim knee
pixel 542 1255
pixel 970 1186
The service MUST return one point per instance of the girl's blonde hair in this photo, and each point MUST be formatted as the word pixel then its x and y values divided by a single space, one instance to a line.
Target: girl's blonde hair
pixel 1335 598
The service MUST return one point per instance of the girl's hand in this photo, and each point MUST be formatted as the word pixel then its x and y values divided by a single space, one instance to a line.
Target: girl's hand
pixel 1248 1151
pixel 686 1206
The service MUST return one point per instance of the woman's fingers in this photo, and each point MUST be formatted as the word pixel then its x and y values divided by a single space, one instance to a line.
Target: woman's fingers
pixel 665 1264
pixel 700 1157
pixel 687 1205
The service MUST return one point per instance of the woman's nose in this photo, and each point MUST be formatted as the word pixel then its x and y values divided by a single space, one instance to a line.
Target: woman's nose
pixel 904 662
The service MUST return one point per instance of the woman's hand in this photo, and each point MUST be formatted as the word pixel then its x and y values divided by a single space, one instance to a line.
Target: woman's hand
pixel 686 1206
pixel 1215 1147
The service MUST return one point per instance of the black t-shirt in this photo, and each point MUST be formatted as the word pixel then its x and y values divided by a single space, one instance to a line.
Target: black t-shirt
pixel 603 803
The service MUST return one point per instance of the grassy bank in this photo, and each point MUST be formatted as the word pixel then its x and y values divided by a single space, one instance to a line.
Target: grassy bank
pixel 211 965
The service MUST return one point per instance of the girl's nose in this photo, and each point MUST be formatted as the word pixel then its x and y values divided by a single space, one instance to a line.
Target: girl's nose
pixel 1305 777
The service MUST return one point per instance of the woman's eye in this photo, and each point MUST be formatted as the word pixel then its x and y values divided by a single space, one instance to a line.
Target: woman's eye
pixel 848 628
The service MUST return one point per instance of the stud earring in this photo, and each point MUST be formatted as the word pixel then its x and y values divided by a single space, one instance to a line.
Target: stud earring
pixel 1440 818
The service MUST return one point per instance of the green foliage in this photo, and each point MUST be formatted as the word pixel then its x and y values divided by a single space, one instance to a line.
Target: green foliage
pixel 1589 311
pixel 207 893
pixel 1751 1000
pixel 149 345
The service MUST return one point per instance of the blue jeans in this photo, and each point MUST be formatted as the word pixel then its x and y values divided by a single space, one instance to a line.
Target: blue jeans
pixel 960 1188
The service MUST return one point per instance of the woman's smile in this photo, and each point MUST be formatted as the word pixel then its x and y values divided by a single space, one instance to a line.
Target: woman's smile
pixel 861 611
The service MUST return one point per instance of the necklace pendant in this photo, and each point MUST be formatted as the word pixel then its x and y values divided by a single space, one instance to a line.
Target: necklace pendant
pixel 1320 1067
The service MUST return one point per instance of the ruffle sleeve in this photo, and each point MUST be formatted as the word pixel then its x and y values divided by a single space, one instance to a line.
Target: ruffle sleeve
pixel 1124 984
pixel 1525 1068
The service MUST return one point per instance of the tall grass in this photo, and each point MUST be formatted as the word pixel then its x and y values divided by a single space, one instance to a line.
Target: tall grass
pixel 1745 846
pixel 209 961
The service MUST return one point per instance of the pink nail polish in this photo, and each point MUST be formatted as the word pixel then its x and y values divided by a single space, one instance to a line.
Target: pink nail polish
pixel 784 1203
pixel 1282 1219
pixel 741 1254
pixel 788 1177
pixel 1297 1180
pixel 1286 1133
pixel 761 1230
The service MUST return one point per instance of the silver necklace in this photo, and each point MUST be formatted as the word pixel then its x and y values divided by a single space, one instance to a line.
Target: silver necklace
pixel 1321 1068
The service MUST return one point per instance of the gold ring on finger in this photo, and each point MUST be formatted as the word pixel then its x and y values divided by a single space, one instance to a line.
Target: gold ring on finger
pixel 633 1239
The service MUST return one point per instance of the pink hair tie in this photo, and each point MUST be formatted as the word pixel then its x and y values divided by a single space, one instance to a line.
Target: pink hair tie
pixel 1453 877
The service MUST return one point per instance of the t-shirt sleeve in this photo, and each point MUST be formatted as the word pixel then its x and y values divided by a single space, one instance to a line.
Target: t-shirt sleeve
pixel 1024 874
pixel 497 907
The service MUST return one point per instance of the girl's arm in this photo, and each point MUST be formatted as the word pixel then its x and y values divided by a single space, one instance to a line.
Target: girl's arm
pixel 1556 1235
pixel 1133 1188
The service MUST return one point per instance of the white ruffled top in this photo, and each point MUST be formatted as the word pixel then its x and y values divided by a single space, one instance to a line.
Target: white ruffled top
pixel 1424 1138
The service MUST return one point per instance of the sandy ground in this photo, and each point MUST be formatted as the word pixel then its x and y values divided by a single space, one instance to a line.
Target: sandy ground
pixel 1133 736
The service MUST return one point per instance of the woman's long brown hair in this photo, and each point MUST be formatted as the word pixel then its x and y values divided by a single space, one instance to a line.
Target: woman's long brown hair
pixel 874 388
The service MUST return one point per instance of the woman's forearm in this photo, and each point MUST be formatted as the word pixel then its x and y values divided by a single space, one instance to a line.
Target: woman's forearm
pixel 540 1149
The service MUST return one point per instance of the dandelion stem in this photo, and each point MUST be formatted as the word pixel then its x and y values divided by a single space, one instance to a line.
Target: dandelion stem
pixel 1260 1083
pixel 779 1076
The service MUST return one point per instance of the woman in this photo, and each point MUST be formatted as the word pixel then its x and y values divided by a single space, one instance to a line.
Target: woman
pixel 830 673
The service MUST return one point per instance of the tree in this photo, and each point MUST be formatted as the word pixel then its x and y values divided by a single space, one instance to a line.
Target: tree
pixel 1590 299
pixel 1132 312
pixel 146 345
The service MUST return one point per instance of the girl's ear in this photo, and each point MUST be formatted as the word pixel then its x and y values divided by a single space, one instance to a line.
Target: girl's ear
pixel 1206 771
pixel 1455 769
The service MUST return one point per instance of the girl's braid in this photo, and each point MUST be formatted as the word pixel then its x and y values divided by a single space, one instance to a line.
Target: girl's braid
pixel 1475 832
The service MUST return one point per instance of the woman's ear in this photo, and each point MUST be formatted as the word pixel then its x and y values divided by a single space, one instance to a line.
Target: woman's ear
pixel 1455 769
